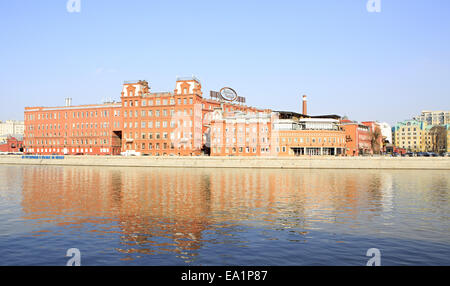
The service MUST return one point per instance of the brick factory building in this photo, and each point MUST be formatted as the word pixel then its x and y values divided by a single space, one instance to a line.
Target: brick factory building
pixel 185 123
pixel 144 122
pixel 284 134
pixel 82 129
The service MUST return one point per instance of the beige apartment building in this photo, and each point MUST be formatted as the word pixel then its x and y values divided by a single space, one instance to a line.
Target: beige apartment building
pixel 417 135
pixel 409 135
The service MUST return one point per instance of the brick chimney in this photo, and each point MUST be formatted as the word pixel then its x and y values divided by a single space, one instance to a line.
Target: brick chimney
pixel 304 111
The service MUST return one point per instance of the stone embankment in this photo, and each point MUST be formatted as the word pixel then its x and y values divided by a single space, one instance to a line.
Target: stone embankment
pixel 426 163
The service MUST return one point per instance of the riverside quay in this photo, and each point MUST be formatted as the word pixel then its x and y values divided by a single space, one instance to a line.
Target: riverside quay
pixel 185 123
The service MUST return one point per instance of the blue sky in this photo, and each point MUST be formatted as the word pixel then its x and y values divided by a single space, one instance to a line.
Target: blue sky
pixel 385 66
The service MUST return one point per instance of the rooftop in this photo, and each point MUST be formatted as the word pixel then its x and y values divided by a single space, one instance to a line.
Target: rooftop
pixel 181 78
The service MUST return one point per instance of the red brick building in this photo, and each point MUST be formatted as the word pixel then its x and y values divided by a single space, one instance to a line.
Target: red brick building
pixel 12 145
pixel 150 123
pixel 357 137
pixel 82 129
pixel 375 134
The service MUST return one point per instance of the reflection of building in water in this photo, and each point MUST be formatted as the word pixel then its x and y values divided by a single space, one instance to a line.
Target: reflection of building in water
pixel 143 204
pixel 179 205
pixel 387 190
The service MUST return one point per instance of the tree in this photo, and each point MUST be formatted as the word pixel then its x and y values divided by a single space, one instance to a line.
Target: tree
pixel 375 140
pixel 438 136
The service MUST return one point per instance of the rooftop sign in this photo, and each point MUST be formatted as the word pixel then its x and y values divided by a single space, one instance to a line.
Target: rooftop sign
pixel 228 94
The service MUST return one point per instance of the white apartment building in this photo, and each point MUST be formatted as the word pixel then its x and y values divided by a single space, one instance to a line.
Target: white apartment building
pixel 11 127
pixel 434 117
pixel 386 131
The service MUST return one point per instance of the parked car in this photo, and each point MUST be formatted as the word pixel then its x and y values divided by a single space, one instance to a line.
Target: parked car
pixel 432 154
pixel 130 153
pixel 420 154
pixel 409 154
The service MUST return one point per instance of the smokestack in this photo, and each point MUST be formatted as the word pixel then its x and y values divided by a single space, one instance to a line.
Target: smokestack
pixel 68 101
pixel 304 105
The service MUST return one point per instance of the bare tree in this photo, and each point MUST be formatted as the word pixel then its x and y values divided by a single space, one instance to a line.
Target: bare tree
pixel 438 136
pixel 375 140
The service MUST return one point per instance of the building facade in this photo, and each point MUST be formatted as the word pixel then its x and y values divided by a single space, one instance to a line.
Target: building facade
pixel 144 122
pixel 70 130
pixel 409 134
pixel 434 117
pixel 376 137
pixel 357 138
pixel 11 128
pixel 241 133
pixel 427 132
pixel 182 122
pixel 266 134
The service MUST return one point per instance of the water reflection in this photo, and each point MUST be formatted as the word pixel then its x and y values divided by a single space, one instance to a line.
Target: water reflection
pixel 158 210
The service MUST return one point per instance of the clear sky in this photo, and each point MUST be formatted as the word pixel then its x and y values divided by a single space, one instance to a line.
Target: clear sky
pixel 385 66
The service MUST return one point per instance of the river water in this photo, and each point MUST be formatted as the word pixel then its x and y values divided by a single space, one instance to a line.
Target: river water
pixel 187 216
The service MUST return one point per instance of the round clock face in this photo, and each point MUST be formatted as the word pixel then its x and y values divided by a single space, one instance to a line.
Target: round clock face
pixel 228 94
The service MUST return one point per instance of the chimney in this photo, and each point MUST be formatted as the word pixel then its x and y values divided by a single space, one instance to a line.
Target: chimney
pixel 304 105
pixel 68 101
